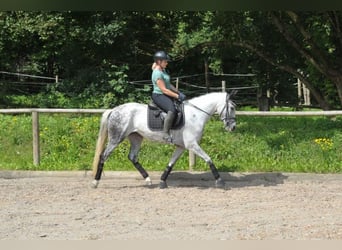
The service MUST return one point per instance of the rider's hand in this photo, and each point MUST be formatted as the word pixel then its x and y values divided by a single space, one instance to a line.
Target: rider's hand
pixel 181 97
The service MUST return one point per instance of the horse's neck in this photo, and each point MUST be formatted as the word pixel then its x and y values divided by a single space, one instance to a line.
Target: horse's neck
pixel 208 102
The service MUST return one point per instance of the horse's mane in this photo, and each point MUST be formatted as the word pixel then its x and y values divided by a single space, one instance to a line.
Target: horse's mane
pixel 208 95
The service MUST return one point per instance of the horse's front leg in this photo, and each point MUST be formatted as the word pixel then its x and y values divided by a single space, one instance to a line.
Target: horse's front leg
pixel 200 152
pixel 178 152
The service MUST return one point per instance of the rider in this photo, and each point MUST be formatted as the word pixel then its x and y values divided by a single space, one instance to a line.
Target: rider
pixel 164 92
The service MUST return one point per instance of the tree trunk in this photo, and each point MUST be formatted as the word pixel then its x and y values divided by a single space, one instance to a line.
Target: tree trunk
pixel 335 76
pixel 314 91
pixel 206 74
pixel 338 84
pixel 322 102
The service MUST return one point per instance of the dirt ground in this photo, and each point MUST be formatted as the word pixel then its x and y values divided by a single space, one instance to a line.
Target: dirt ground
pixel 62 205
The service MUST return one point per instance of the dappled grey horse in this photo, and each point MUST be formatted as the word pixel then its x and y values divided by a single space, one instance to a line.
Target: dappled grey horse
pixel 130 121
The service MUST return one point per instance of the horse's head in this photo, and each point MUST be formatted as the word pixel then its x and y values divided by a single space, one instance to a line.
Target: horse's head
pixel 227 113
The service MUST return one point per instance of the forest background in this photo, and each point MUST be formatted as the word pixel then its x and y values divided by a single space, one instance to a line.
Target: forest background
pixel 97 55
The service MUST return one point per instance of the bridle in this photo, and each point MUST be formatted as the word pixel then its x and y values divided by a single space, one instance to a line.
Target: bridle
pixel 228 118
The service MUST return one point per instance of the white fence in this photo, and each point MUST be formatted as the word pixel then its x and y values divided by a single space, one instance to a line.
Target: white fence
pixel 35 121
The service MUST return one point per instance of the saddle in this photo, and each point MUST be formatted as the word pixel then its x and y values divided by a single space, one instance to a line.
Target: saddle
pixel 156 117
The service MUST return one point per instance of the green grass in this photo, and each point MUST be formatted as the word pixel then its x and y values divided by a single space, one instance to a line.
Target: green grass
pixel 287 144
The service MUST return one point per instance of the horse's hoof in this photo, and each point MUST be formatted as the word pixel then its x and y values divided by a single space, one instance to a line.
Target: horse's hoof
pixel 219 183
pixel 148 181
pixel 162 185
pixel 94 183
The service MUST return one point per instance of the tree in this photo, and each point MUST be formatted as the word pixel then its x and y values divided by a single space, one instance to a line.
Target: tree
pixel 97 53
pixel 305 44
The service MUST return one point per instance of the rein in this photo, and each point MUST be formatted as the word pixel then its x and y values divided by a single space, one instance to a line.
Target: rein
pixel 226 118
pixel 198 108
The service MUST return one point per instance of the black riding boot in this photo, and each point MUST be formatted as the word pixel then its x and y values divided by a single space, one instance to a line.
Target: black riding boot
pixel 167 126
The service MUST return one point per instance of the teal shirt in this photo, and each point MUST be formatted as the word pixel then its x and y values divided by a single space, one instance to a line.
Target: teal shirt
pixel 157 74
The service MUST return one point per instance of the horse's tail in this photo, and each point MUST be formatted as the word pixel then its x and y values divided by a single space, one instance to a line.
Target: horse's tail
pixel 102 137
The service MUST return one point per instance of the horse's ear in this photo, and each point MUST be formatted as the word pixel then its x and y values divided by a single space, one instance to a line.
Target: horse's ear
pixel 233 93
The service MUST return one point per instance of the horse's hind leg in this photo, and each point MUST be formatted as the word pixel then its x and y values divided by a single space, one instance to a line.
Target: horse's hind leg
pixel 115 137
pixel 136 140
pixel 112 144
pixel 178 152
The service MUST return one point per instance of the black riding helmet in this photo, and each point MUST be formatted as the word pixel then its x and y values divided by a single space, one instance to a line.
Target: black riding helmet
pixel 161 55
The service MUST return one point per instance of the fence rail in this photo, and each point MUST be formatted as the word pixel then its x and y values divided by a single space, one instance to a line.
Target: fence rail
pixel 290 113
pixel 243 113
pixel 35 121
pixel 47 110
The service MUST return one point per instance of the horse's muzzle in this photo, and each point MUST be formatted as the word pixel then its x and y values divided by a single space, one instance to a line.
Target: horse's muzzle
pixel 230 124
pixel 230 128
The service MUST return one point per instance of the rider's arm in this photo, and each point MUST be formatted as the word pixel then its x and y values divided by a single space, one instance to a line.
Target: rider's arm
pixel 165 90
pixel 173 88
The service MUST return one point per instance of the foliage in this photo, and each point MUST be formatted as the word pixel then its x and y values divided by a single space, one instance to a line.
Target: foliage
pixel 259 144
pixel 96 54
pixel 299 43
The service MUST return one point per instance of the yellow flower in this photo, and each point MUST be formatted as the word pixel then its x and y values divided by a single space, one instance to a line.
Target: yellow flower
pixel 324 143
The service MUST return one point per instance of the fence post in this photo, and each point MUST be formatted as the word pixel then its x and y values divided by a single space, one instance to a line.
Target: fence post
pixel 35 138
pixel 223 86
pixel 299 88
pixel 192 160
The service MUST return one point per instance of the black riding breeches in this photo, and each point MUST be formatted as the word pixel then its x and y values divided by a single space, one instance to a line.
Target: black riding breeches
pixel 164 102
